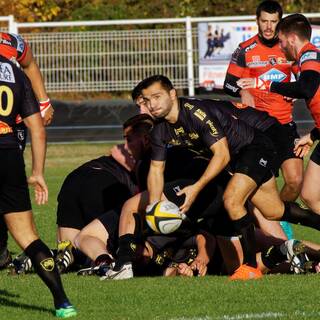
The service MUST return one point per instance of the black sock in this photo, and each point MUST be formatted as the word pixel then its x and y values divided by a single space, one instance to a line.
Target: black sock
pixel 3 234
pixel 45 267
pixel 273 256
pixel 245 229
pixel 126 250
pixel 295 214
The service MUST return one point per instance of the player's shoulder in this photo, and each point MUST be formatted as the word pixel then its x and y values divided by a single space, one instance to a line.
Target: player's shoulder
pixel 310 53
pixel 249 44
pixel 9 72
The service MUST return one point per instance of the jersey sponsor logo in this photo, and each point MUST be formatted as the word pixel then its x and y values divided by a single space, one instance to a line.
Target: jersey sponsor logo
pixel 179 131
pixel 255 64
pixel 273 75
pixel 188 106
pixel 5 128
pixel 263 162
pixel 252 45
pixel 311 55
pixel 232 88
pixel 6 73
pixel 20 43
pixel 193 136
pixel 214 131
pixel 200 114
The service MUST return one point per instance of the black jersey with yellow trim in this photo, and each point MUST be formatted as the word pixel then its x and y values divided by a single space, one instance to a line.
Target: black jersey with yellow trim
pixel 200 125
pixel 17 97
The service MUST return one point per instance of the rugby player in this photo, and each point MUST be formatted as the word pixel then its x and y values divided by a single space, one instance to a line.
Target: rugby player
pixel 294 34
pixel 15 48
pixel 261 57
pixel 226 141
pixel 18 99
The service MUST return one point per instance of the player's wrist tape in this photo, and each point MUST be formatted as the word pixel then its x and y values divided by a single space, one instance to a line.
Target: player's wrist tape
pixel 315 134
pixel 150 206
pixel 44 106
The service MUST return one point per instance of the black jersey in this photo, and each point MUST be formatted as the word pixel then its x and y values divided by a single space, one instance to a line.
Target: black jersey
pixel 16 97
pixel 199 126
pixel 255 118
pixel 109 164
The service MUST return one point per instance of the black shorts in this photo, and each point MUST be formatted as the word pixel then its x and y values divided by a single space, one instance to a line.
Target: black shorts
pixel 207 212
pixel 283 138
pixel 14 191
pixel 86 194
pixel 315 156
pixel 110 221
pixel 256 160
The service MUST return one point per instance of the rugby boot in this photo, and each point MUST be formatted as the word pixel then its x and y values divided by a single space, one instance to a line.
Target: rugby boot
pixel 21 264
pixel 67 310
pixel 245 272
pixel 125 272
pixel 64 258
pixel 296 255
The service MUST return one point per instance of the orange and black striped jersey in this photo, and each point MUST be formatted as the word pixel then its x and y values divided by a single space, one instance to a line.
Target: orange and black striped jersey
pixel 13 47
pixel 254 59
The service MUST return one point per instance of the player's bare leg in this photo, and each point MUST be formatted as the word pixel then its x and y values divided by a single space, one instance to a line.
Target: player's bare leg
pixel 310 193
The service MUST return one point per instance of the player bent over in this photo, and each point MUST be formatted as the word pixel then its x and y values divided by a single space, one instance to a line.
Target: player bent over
pixel 15 205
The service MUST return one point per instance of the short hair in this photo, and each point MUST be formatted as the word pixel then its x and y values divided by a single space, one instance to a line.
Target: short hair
pixel 296 23
pixel 269 6
pixel 141 123
pixel 163 80
pixel 136 92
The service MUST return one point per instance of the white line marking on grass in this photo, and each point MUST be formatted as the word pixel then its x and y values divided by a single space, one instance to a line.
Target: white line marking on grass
pixel 263 315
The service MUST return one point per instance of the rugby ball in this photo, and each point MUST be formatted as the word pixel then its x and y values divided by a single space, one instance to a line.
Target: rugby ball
pixel 164 217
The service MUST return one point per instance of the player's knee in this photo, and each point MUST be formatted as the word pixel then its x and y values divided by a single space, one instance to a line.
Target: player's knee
pixel 294 183
pixel 231 203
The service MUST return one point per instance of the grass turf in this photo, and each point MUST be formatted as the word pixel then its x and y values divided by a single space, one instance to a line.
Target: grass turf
pixel 273 297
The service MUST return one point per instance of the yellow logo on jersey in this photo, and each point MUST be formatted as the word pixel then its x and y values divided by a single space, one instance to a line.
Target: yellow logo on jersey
pixel 179 131
pixel 200 114
pixel 193 136
pixel 188 106
pixel 214 131
pixel 5 128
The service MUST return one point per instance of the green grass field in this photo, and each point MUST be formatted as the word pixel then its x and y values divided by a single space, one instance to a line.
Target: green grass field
pixel 273 297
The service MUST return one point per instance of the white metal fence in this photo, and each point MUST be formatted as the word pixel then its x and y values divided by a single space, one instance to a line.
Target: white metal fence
pixel 80 61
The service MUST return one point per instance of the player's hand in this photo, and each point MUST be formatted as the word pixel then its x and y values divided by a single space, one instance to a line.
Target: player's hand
pixel 184 270
pixel 200 265
pixel 254 83
pixel 46 111
pixel 303 146
pixel 190 193
pixel 247 98
pixel 40 188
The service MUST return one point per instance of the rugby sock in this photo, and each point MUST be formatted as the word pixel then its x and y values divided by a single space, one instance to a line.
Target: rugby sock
pixel 126 250
pixel 273 256
pixel 295 214
pixel 3 233
pixel 45 267
pixel 245 228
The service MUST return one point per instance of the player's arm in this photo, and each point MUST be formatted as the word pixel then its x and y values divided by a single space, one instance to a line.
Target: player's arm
pixel 304 88
pixel 235 71
pixel 205 246
pixel 31 69
pixel 38 147
pixel 155 181
pixel 220 159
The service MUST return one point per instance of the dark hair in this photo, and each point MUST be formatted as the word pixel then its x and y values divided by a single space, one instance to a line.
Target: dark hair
pixel 269 6
pixel 140 123
pixel 163 80
pixel 296 23
pixel 136 92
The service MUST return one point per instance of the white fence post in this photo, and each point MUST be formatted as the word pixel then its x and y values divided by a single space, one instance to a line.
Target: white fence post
pixel 190 56
pixel 12 25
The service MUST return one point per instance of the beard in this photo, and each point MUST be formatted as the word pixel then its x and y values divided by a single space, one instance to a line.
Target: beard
pixel 288 52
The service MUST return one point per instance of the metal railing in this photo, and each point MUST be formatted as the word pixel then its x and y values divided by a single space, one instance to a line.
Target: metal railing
pixel 116 60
